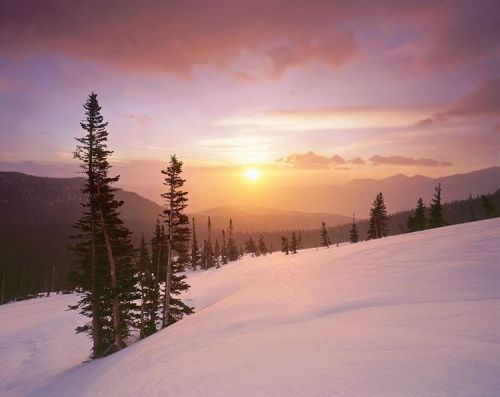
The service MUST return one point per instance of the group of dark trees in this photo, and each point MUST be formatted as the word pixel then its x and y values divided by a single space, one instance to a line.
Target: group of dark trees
pixel 292 244
pixel 419 219
pixel 257 248
pixel 210 254
pixel 112 275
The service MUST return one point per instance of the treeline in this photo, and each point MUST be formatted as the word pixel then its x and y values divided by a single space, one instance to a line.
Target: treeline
pixel 454 212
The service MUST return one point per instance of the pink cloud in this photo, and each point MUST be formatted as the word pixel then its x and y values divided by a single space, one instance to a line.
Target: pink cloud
pixel 484 100
pixel 175 36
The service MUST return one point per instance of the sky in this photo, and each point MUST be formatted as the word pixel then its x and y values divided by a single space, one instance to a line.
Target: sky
pixel 306 92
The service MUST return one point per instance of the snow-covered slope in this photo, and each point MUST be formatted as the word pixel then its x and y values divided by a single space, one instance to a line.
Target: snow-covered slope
pixel 412 315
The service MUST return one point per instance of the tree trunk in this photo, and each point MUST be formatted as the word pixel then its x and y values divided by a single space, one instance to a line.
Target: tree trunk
pixel 3 288
pixel 141 333
pixel 112 269
pixel 168 270
pixel 95 303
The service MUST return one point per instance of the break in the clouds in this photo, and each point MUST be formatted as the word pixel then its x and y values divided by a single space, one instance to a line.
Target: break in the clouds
pixel 408 161
pixel 311 160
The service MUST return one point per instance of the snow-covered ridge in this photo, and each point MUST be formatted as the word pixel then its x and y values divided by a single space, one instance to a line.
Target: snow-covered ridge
pixel 411 315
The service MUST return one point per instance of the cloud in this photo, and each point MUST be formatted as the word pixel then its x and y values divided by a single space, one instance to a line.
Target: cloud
pixel 408 161
pixel 328 118
pixel 311 160
pixel 483 100
pixel 176 36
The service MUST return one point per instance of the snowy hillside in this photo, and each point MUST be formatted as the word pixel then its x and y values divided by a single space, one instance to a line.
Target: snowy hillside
pixel 412 315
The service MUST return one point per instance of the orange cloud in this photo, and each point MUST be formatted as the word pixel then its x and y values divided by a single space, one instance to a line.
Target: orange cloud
pixel 311 160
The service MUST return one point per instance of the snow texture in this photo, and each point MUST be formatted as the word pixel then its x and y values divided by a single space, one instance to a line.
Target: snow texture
pixel 411 315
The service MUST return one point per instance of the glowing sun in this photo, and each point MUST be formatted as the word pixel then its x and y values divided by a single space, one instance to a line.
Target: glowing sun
pixel 252 174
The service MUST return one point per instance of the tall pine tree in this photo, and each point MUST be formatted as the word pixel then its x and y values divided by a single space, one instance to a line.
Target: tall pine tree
pixel 195 250
pixel 105 253
pixel 436 218
pixel 377 226
pixel 232 249
pixel 488 206
pixel 284 245
pixel 353 233
pixel 223 250
pixel 325 239
pixel 177 235
pixel 417 221
pixel 149 292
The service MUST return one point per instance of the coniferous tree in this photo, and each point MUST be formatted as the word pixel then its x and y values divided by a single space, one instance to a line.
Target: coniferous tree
pixel 284 245
pixel 377 227
pixel 204 255
pixel 217 254
pixel 436 218
pixel 417 221
pixel 232 249
pixel 149 292
pixel 250 247
pixel 158 251
pixel 294 243
pixel 471 209
pixel 223 250
pixel 353 233
pixel 488 206
pixel 195 251
pixel 158 259
pixel 262 245
pixel 210 252
pixel 105 252
pixel 325 239
pixel 177 235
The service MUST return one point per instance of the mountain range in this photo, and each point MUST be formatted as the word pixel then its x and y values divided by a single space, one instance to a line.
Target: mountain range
pixel 26 199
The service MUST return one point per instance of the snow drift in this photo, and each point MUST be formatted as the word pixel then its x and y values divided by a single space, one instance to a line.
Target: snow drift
pixel 411 315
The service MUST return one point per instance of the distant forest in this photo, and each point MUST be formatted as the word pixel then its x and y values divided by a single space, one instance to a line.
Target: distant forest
pixel 35 257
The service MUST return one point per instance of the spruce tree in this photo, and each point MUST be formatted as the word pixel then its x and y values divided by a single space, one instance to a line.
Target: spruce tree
pixel 250 247
pixel 471 209
pixel 148 291
pixel 195 251
pixel 436 218
pixel 216 257
pixel 262 245
pixel 294 243
pixel 223 250
pixel 325 239
pixel 232 249
pixel 377 226
pixel 489 207
pixel 210 251
pixel 417 221
pixel 105 252
pixel 284 245
pixel 353 233
pixel 177 238
pixel 204 255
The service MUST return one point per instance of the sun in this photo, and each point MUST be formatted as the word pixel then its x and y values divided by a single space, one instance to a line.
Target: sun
pixel 252 174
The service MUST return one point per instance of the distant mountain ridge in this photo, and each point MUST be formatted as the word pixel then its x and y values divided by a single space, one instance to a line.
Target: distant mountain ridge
pixel 27 199
pixel 400 192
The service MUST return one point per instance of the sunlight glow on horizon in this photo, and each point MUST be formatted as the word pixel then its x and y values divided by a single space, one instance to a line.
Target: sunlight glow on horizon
pixel 253 174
